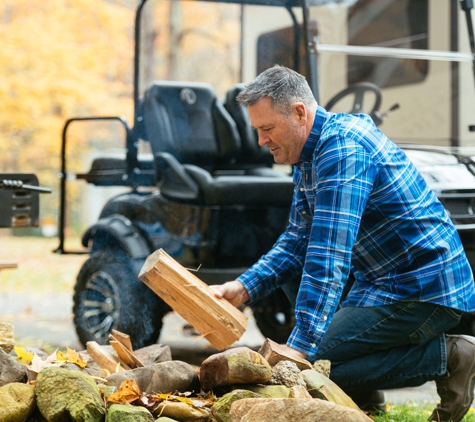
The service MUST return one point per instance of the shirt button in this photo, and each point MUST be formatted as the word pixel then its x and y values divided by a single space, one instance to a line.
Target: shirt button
pixel 302 189
pixel 304 212
pixel 324 318
pixel 313 345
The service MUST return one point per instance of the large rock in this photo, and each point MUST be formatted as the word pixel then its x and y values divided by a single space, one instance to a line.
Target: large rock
pixel 71 396
pixel 163 377
pixel 285 410
pixel 17 402
pixel 154 353
pixel 324 388
pixel 221 408
pixel 128 413
pixel 11 370
pixel 182 411
pixel 6 337
pixel 234 366
pixel 286 373
pixel 268 391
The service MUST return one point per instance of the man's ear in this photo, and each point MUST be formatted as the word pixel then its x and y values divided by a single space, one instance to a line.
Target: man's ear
pixel 300 113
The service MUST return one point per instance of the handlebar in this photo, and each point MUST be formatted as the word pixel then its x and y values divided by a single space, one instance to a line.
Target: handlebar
pixel 18 184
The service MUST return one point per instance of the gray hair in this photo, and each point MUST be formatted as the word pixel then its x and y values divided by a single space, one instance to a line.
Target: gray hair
pixel 283 85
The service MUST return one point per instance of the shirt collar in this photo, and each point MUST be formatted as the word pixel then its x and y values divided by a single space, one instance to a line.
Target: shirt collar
pixel 309 147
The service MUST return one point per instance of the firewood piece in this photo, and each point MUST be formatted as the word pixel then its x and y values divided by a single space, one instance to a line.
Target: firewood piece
pixel 124 359
pixel 123 339
pixel 274 352
pixel 216 319
pixel 8 264
pixel 125 355
pixel 103 358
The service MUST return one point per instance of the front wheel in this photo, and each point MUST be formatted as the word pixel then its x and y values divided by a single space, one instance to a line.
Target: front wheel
pixel 274 316
pixel 108 295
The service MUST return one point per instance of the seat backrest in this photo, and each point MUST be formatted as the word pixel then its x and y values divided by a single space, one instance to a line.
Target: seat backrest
pixel 251 151
pixel 187 121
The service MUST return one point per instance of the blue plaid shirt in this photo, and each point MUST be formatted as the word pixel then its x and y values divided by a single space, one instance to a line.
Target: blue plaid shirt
pixel 359 204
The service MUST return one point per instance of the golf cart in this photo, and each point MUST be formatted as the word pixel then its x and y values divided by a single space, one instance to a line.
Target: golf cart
pixel 204 190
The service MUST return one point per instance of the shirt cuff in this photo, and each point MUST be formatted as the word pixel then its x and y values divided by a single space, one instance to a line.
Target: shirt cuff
pixel 304 342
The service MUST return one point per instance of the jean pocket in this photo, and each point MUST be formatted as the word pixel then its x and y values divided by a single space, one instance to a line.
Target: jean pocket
pixel 454 313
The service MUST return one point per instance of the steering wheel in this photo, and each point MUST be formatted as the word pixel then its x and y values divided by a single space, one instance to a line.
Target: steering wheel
pixel 359 90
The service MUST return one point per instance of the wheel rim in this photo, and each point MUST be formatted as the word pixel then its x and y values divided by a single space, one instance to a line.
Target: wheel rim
pixel 100 305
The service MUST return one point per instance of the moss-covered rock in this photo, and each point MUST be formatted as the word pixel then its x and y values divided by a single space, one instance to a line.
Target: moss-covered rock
pixel 128 413
pixel 321 387
pixel 70 396
pixel 234 366
pixel 221 408
pixel 17 402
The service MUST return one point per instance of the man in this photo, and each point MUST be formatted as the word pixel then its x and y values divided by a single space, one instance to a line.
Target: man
pixel 360 205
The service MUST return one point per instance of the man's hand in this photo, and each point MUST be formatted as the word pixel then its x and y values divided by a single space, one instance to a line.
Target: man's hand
pixel 233 291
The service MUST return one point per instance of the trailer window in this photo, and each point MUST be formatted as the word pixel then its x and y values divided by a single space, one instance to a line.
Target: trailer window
pixel 388 23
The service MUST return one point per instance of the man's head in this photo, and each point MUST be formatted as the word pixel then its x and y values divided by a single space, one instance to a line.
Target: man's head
pixel 282 108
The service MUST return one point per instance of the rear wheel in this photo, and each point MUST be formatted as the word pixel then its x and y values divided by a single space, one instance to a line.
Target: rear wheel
pixel 274 316
pixel 108 295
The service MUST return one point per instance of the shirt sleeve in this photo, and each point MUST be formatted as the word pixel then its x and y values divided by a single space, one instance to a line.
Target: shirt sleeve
pixel 344 175
pixel 284 262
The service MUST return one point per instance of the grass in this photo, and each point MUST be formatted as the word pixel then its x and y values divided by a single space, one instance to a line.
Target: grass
pixel 412 412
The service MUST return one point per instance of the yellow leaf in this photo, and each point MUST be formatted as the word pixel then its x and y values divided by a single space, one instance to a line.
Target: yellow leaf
pixel 128 392
pixel 22 355
pixel 70 356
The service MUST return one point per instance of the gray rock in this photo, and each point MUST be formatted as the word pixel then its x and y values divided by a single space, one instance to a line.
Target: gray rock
pixel 11 370
pixel 221 408
pixel 72 396
pixel 6 337
pixel 323 366
pixel 286 373
pixel 285 410
pixel 154 353
pixel 17 402
pixel 268 391
pixel 164 377
pixel 128 413
pixel 240 365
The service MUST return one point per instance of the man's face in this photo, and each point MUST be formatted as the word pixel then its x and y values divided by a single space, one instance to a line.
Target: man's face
pixel 284 135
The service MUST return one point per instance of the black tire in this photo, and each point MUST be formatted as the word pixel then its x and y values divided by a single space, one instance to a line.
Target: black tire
pixel 108 295
pixel 274 316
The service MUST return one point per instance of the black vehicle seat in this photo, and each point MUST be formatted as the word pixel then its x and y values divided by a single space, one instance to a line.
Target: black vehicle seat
pixel 252 153
pixel 196 146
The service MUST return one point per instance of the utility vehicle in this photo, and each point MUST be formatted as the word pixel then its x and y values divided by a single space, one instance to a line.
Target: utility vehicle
pixel 190 177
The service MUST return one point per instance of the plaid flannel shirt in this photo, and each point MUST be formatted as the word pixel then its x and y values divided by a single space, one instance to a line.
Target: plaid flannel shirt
pixel 360 204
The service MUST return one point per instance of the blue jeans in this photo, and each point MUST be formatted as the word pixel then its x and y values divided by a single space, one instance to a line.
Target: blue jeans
pixel 393 346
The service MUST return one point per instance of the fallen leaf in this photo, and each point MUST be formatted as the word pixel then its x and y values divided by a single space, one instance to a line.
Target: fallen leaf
pixel 22 355
pixel 128 392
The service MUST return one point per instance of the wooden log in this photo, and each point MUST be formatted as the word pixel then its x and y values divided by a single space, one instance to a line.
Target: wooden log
pixel 274 352
pixel 123 339
pixel 8 264
pixel 126 357
pixel 216 319
pixel 103 358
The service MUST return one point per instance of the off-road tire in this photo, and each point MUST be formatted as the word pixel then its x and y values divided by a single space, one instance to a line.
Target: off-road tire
pixel 108 295
pixel 274 316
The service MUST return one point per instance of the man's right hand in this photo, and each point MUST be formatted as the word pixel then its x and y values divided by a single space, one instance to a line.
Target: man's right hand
pixel 233 291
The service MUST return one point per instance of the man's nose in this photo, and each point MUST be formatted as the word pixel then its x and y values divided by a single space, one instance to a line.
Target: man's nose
pixel 262 139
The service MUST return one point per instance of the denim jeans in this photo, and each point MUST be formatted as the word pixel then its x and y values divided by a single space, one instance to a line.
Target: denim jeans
pixel 392 346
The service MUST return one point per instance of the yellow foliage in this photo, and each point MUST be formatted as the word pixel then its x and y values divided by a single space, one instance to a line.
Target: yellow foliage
pixel 128 392
pixel 22 355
